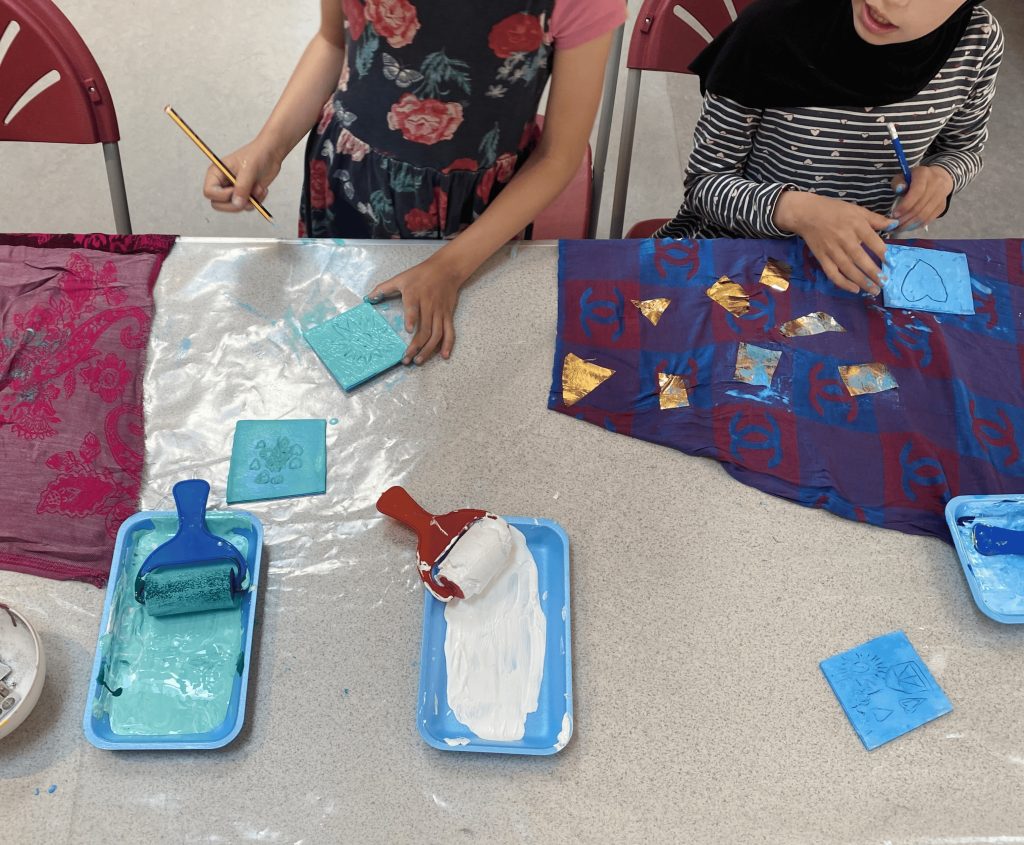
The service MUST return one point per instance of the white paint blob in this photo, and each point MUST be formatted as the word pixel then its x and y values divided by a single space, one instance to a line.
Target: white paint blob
pixel 462 740
pixel 478 556
pixel 494 647
pixel 564 734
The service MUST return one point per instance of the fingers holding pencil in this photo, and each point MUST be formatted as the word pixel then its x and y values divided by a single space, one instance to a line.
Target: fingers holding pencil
pixel 240 180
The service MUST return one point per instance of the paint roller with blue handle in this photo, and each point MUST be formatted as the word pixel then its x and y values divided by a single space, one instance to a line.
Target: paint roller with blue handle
pixel 194 571
pixel 992 540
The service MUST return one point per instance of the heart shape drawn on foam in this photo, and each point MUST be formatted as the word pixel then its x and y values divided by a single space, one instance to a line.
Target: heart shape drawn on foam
pixel 924 282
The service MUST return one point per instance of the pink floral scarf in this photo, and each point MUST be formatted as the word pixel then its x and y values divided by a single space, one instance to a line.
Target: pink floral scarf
pixel 75 314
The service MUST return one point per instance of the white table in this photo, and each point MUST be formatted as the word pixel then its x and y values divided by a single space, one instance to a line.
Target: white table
pixel 700 610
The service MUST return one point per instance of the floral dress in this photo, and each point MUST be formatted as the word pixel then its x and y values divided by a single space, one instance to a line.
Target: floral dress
pixel 434 113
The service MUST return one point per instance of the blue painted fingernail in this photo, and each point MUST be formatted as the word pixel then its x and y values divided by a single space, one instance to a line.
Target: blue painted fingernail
pixel 892 227
pixel 901 188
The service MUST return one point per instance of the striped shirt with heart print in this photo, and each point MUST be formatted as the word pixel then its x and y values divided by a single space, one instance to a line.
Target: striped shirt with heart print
pixel 744 158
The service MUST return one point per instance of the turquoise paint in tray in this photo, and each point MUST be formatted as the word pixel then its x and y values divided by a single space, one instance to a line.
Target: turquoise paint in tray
pixel 175 682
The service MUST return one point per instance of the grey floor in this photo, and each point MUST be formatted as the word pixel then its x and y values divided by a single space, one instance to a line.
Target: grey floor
pixel 222 65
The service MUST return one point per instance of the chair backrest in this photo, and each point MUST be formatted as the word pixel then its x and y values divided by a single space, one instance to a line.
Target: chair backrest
pixel 669 34
pixel 51 89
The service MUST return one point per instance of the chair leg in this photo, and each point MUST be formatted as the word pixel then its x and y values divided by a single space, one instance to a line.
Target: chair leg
pixel 604 129
pixel 118 195
pixel 629 107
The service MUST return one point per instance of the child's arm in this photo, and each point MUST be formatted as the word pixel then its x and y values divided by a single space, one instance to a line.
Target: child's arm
pixel 714 183
pixel 718 190
pixel 314 80
pixel 430 291
pixel 954 158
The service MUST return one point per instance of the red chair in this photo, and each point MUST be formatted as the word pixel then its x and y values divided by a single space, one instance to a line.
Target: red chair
pixel 668 36
pixel 52 91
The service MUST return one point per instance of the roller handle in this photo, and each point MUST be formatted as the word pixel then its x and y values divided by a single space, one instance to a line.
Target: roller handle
pixel 994 540
pixel 398 504
pixel 192 541
pixel 190 499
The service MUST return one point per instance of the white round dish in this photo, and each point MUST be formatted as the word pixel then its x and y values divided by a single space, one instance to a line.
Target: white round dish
pixel 21 652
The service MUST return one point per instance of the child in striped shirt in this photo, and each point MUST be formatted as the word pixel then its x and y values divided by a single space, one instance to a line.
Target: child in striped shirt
pixel 793 135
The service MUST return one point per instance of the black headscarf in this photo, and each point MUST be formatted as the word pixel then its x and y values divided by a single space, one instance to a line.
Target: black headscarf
pixel 792 53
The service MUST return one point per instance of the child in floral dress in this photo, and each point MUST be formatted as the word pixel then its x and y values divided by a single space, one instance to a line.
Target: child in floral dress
pixel 429 130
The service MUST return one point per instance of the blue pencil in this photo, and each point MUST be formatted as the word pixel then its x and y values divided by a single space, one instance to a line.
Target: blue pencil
pixel 897 146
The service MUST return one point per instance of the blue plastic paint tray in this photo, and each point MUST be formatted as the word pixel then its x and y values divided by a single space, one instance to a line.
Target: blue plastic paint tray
pixel 277 459
pixel 124 635
pixel 356 345
pixel 550 726
pixel 996 582
pixel 885 688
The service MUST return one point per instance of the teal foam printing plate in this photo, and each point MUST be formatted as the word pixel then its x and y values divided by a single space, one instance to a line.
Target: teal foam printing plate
pixel 277 459
pixel 356 345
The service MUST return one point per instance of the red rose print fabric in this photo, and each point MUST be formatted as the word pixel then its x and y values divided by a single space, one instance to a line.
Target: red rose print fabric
pixel 436 99
pixel 519 33
pixel 75 314
pixel 394 20
pixel 425 121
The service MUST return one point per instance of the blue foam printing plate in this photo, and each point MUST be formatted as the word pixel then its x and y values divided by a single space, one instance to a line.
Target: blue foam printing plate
pixel 550 726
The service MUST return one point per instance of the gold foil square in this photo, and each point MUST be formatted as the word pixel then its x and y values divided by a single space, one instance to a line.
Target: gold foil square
pixel 580 378
pixel 730 296
pixel 867 378
pixel 756 365
pixel 652 309
pixel 811 324
pixel 672 392
pixel 776 275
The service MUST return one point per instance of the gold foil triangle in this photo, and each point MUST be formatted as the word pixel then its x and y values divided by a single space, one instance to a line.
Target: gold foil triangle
pixel 672 392
pixel 776 274
pixel 652 309
pixel 581 377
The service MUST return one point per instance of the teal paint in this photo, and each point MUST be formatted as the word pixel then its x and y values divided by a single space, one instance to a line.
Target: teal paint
pixel 173 674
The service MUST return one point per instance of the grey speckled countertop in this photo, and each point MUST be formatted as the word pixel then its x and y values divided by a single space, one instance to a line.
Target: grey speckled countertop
pixel 701 609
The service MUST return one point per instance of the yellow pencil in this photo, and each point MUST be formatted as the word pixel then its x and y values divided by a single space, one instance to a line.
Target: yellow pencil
pixel 173 115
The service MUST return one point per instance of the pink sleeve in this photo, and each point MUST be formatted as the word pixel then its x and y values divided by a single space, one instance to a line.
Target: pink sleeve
pixel 575 22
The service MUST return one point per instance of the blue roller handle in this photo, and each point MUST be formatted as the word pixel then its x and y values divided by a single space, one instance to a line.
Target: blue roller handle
pixel 193 543
pixel 992 540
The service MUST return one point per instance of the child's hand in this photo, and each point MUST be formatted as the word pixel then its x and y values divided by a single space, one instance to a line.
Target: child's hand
pixel 429 295
pixel 837 232
pixel 930 188
pixel 255 166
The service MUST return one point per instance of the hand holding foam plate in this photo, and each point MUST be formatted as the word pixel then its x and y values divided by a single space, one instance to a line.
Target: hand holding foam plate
pixel 356 345
pixel 927 280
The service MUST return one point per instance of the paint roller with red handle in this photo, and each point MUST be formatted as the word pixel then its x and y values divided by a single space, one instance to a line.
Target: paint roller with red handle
pixel 437 534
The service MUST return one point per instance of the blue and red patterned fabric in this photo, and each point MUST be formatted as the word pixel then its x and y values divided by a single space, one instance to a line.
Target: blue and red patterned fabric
pixel 954 425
